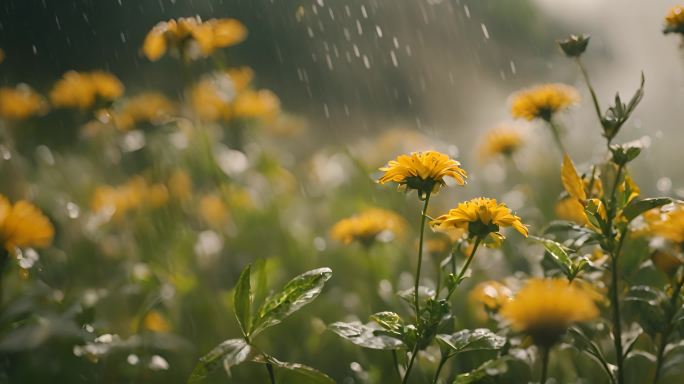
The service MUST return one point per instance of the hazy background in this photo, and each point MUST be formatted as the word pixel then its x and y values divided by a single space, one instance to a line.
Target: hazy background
pixel 446 67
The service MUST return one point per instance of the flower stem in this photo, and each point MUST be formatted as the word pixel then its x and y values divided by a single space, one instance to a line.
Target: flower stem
pixel 410 365
pixel 555 132
pixel 666 334
pixel 271 374
pixel 395 361
pixel 615 304
pixel 4 257
pixel 442 361
pixel 420 256
pixel 591 89
pixel 545 364
pixel 476 245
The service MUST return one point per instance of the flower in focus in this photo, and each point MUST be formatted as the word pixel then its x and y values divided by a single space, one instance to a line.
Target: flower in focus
pixel 545 308
pixel 674 20
pixel 489 296
pixel 481 217
pixel 502 141
pixel 213 211
pixel 22 224
pixel 84 89
pixel 423 171
pixel 368 226
pixel 543 101
pixel 191 37
pixel 21 102
pixel 147 107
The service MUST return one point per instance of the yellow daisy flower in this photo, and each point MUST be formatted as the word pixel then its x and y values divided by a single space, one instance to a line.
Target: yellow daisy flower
pixel 481 217
pixel 366 226
pixel 545 308
pixel 500 141
pixel 83 89
pixel 22 224
pixel 423 171
pixel 147 107
pixel 543 101
pixel 21 102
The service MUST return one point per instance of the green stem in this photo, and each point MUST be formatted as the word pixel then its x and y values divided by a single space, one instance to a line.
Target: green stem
pixel 410 365
pixel 666 334
pixel 591 89
pixel 545 364
pixel 442 361
pixel 420 256
pixel 4 258
pixel 555 132
pixel 476 245
pixel 271 374
pixel 615 304
pixel 395 360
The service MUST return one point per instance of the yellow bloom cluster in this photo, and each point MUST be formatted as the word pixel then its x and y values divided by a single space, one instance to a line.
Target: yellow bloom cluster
pixel 543 101
pixel 674 19
pixel 213 210
pixel 136 193
pixel 423 171
pixel 227 95
pixel 147 107
pixel 367 225
pixel 22 224
pixel 500 141
pixel 481 217
pixel 668 225
pixel 83 89
pixel 545 308
pixel 191 37
pixel 21 102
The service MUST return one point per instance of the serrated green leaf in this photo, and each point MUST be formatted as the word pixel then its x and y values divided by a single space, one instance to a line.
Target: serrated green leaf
pixel 242 301
pixel 229 353
pixel 300 291
pixel 304 373
pixel 637 207
pixel 471 340
pixel 558 254
pixel 365 336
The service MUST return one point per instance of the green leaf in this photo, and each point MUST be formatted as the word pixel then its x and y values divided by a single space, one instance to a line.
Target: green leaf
pixel 388 320
pixel 300 291
pixel 229 353
pixel 558 255
pixel 637 207
pixel 365 336
pixel 242 301
pixel 467 340
pixel 648 302
pixel 304 374
pixel 489 368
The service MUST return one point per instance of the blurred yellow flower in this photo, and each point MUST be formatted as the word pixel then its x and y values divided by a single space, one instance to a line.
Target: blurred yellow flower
pixel 545 308
pixel 490 294
pixel 481 217
pixel 213 211
pixel 149 107
pixel 543 101
pixel 674 19
pixel 134 194
pixel 83 89
pixel 423 171
pixel 210 102
pixel 241 77
pixel 156 322
pixel 180 184
pixel 189 34
pixel 501 141
pixel 366 226
pixel 22 224
pixel 666 262
pixel 21 102
pixel 262 104
pixel 668 225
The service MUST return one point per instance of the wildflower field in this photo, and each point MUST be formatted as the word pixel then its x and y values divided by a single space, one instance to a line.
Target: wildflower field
pixel 185 219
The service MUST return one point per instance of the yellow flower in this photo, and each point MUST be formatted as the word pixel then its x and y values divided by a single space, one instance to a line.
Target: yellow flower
pixel 180 185
pixel 20 102
pixel 572 210
pixel 490 294
pixel 147 107
pixel 545 308
pixel 22 224
pixel 156 322
pixel 668 225
pixel 481 217
pixel 211 101
pixel 262 104
pixel 674 19
pixel 134 194
pixel 572 207
pixel 366 226
pixel 500 141
pixel 666 262
pixel 83 89
pixel 423 171
pixel 543 101
pixel 241 77
pixel 213 210
pixel 186 33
